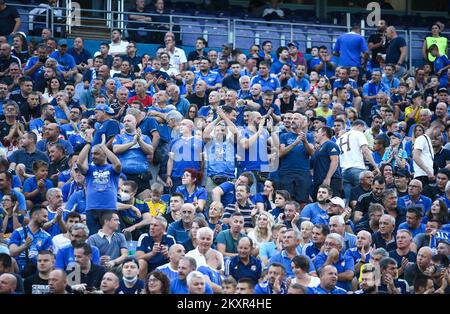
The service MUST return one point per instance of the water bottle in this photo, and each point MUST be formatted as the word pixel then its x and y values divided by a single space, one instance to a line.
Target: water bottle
pixel 130 243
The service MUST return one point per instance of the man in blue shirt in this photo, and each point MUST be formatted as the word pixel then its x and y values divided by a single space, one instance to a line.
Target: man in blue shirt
pixel 349 84
pixel 185 267
pixel 107 126
pixel 65 60
pixel 244 265
pixel 65 258
pixel 283 58
pixel 82 57
pixel 35 65
pixel 324 64
pixel 291 249
pixel 180 229
pixel 267 105
pixel 299 82
pixel 212 79
pixel 31 239
pixel 52 132
pixel 153 247
pixel 265 79
pixel 275 283
pixel 333 255
pixel 295 152
pixel 373 87
pixel 413 221
pixel 185 152
pixel 326 162
pixel 415 198
pixel 328 282
pixel 317 212
pixel 350 46
pixel 102 180
pixel 132 148
pixel 319 233
pixel 27 155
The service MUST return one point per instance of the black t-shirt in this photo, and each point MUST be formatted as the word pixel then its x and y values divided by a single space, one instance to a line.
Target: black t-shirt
pixel 376 39
pixel 199 101
pixel 393 50
pixel 356 192
pixel 194 55
pixel 7 21
pixel 36 285
pixel 285 107
pixel 23 105
pixel 94 277
pixel 4 130
pixel 433 192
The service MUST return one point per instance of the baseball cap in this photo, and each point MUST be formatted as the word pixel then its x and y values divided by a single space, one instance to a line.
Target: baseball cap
pixel 105 108
pixel 337 201
pixel 443 90
pixel 62 42
pixel 288 87
pixel 401 173
pixel 149 69
pixel 293 43
pixel 396 134
pixel 416 94
pixel 228 45
pixel 320 118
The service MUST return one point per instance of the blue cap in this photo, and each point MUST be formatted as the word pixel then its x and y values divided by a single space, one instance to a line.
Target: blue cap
pixel 149 69
pixel 396 134
pixel 105 108
pixel 293 43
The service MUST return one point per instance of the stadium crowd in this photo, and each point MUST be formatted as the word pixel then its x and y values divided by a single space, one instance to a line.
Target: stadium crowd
pixel 222 171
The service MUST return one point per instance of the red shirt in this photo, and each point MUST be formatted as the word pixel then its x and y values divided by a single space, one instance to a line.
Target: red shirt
pixel 146 101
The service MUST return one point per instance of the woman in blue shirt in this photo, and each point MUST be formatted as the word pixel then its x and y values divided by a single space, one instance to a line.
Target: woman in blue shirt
pixel 10 216
pixel 265 200
pixel 191 189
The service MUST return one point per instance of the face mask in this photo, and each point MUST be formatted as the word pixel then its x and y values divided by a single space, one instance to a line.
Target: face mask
pixel 125 197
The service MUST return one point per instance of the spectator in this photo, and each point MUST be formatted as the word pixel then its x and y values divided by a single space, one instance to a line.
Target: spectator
pixel 153 248
pixel 57 282
pixel 157 283
pixel 244 265
pixel 352 49
pixel 39 282
pixel 396 51
pixel 90 274
pixel 328 282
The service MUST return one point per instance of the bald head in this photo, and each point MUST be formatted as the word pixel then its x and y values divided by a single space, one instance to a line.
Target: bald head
pixel 130 123
pixel 8 283
pixel 57 281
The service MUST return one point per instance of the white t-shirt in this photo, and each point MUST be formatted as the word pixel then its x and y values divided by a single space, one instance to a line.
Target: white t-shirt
pixel 315 281
pixel 120 48
pixel 351 153
pixel 177 57
pixel 423 143
pixel 59 241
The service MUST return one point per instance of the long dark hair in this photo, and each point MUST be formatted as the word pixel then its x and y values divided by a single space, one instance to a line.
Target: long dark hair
pixel 165 288
pixel 443 213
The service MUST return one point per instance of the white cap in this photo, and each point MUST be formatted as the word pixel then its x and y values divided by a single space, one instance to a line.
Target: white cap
pixel 337 201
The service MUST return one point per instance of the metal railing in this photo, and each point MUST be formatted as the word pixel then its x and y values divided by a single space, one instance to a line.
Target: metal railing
pixel 199 26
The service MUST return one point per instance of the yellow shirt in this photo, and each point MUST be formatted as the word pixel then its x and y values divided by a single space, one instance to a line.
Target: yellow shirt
pixel 320 113
pixel 410 109
pixel 157 209
pixel 441 42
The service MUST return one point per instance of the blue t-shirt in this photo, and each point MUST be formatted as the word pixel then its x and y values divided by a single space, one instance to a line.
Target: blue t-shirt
pixel 350 46
pixel 211 78
pixel 213 274
pixel 101 186
pixel 343 264
pixel 178 286
pixel 30 184
pixel 340 83
pixel 129 217
pixel 42 146
pixel 414 232
pixel 168 271
pixel 321 161
pixel 134 159
pixel 297 159
pixel 424 202
pixel 302 84
pixel 187 154
pixel 238 270
pixel 320 290
pixel 138 287
pixel 326 71
pixel 275 68
pixel 198 194
pixel 271 83
pixel 65 256
pixel 220 157
pixel 55 230
pixel 284 259
pixel 109 127
pixel 315 214
pixel 78 201
pixel 67 62
pixel 177 231
pixel 42 240
pixel 440 63
pixel 255 158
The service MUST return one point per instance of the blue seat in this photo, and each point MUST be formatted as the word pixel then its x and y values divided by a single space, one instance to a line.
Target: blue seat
pixel 217 36
pixel 244 38
pixel 189 34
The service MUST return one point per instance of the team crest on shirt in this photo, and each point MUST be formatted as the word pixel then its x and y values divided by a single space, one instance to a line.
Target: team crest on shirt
pixel 253 268
pixel 39 243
